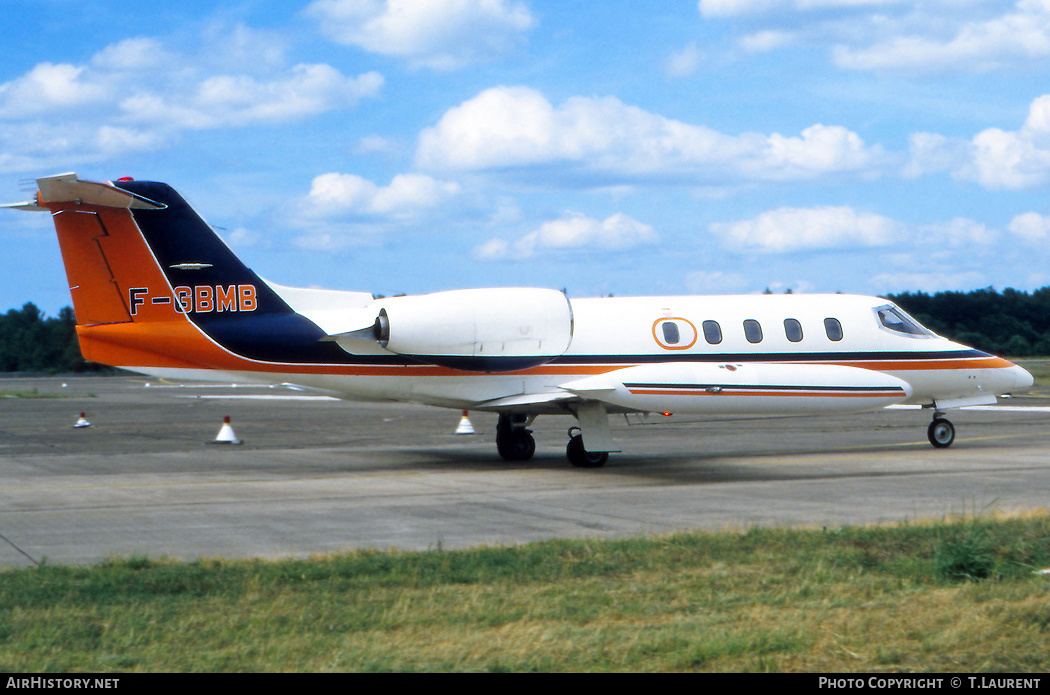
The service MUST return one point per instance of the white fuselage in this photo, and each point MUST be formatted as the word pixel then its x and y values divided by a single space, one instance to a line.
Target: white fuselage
pixel 678 338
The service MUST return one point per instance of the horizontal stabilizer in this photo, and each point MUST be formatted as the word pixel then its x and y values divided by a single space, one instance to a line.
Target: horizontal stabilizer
pixel 25 205
pixel 67 188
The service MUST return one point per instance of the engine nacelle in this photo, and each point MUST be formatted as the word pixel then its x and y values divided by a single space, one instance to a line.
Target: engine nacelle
pixel 481 330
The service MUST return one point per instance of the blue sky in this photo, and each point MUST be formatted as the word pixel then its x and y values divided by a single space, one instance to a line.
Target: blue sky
pixel 711 147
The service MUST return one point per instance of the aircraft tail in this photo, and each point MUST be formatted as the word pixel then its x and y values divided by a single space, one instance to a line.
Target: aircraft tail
pixel 153 286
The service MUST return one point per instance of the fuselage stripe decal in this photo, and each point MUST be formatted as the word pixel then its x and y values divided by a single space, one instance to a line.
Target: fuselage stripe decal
pixel 398 365
pixel 764 390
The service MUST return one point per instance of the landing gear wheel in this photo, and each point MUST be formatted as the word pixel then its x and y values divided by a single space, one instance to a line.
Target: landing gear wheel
pixel 941 433
pixel 518 445
pixel 514 443
pixel 581 458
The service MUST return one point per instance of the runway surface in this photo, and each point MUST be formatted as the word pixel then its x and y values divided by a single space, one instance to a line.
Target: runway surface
pixel 318 476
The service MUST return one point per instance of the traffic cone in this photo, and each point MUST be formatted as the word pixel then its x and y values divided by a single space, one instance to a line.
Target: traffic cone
pixel 464 425
pixel 226 435
pixel 82 422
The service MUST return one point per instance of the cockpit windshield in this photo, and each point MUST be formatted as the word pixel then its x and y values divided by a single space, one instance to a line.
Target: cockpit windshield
pixel 894 319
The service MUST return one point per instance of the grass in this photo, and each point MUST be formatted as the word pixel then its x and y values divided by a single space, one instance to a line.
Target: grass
pixel 27 393
pixel 951 596
pixel 1039 367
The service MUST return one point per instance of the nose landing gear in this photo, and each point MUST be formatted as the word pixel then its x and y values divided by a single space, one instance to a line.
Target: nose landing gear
pixel 941 432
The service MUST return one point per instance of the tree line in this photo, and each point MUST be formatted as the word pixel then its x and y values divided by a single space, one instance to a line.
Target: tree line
pixel 1009 323
pixel 31 342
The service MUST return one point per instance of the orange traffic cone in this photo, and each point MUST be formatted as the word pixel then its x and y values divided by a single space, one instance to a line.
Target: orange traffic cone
pixel 82 422
pixel 464 425
pixel 226 435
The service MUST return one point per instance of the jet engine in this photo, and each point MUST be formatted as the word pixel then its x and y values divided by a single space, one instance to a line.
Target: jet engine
pixel 480 330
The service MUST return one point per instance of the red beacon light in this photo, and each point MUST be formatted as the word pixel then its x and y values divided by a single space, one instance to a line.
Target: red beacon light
pixel 125 178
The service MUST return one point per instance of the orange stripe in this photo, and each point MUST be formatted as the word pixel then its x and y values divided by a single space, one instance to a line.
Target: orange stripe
pixel 133 344
pixel 917 365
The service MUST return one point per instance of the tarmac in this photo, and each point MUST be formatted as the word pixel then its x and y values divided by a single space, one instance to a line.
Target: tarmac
pixel 315 476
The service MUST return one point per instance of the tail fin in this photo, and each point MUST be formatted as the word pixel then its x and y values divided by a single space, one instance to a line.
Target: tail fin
pixel 154 286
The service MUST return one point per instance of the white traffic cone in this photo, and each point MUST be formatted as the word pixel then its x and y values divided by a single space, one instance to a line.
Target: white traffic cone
pixel 226 435
pixel 82 422
pixel 464 425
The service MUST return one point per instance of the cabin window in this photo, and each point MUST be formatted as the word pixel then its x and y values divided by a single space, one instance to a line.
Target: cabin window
pixel 897 321
pixel 712 332
pixel 753 331
pixel 793 330
pixel 833 328
pixel 674 333
pixel 671 334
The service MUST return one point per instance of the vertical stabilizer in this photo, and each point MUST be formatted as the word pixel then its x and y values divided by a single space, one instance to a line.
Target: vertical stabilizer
pixel 154 286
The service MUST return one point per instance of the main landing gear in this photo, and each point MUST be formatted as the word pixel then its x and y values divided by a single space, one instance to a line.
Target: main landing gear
pixel 514 442
pixel 580 457
pixel 941 432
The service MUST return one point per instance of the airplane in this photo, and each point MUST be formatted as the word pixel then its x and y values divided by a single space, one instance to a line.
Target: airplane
pixel 155 290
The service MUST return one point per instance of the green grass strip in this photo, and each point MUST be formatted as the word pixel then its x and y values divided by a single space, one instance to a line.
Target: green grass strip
pixel 950 596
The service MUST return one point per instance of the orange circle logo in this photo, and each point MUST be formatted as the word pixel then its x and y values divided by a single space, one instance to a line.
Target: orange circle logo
pixel 674 333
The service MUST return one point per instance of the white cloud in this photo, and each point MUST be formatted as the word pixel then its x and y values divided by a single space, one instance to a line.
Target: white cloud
pixel 237 100
pixel 49 88
pixel 1006 160
pixel 909 36
pixel 958 232
pixel 503 126
pixel 1031 226
pixel 492 250
pixel 795 229
pixel 820 149
pixel 306 91
pixel 145 94
pixel 437 34
pixel 37 145
pixel 337 194
pixel 975 45
pixel 768 40
pixel 602 141
pixel 994 158
pixel 375 144
pixel 735 8
pixel 931 152
pixel 139 53
pixel 242 237
pixel 617 232
pixel 250 49
pixel 685 62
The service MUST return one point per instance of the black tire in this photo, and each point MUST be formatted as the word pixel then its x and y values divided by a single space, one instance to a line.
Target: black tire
pixel 581 458
pixel 516 445
pixel 941 433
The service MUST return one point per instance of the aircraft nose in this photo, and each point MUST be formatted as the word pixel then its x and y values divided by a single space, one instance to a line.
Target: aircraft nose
pixel 1022 379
